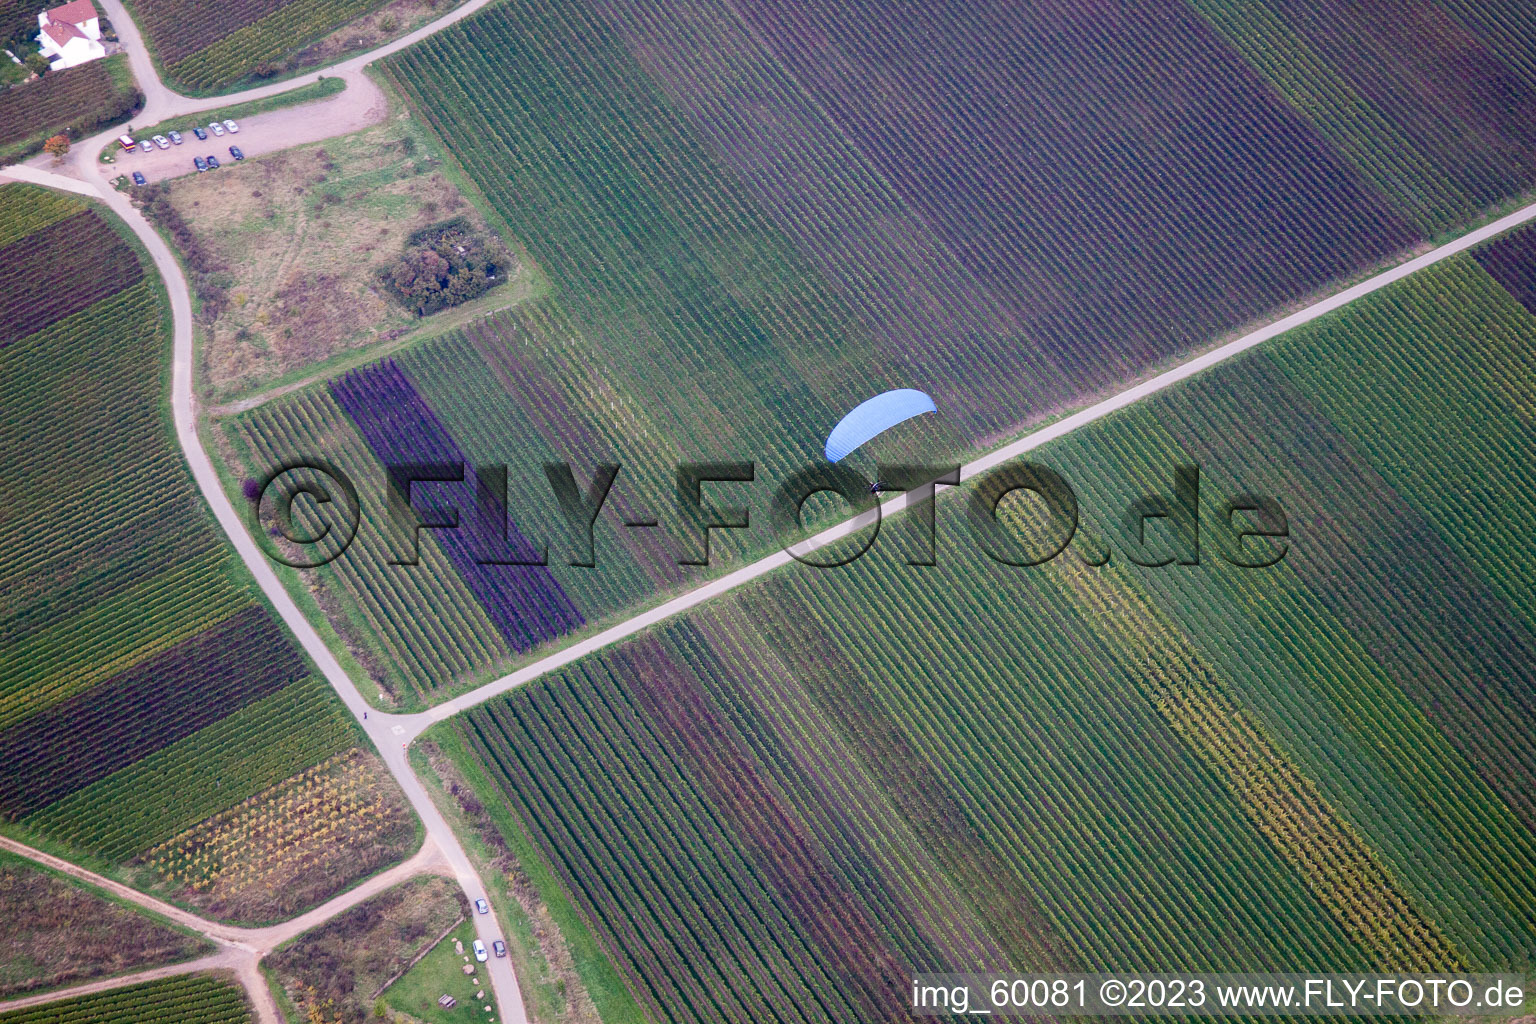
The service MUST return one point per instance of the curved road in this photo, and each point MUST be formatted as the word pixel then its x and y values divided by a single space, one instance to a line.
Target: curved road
pixel 161 103
pixel 393 733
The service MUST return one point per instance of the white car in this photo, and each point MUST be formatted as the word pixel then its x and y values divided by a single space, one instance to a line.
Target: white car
pixel 162 141
pixel 482 907
pixel 233 128
pixel 480 953
pixel 216 128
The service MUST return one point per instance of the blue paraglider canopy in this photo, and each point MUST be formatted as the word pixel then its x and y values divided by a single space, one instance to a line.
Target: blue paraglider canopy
pixel 874 417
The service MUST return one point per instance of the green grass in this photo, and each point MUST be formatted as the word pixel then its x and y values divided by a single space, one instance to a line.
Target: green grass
pixel 354 954
pixel 441 972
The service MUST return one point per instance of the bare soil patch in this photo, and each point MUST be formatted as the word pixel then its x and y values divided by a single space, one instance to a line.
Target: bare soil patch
pixel 298 237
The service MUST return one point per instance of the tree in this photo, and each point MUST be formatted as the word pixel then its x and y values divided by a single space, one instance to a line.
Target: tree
pixel 57 147
pixel 36 63
pixel 444 265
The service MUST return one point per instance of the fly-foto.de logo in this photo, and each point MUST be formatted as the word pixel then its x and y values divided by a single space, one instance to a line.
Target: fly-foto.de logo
pixel 308 512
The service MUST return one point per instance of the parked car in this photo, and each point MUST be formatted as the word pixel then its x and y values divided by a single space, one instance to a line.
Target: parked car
pixel 480 951
pixel 127 142
pixel 499 947
pixel 175 137
pixel 162 141
pixel 216 128
pixel 138 178
pixel 200 164
pixel 213 162
pixel 231 127
pixel 236 152
pixel 482 907
pixel 201 135
pixel 145 146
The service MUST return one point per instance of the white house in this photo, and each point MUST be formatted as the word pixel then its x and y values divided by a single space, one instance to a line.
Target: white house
pixel 70 34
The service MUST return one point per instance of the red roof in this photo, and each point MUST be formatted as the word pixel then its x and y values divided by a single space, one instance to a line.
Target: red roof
pixel 76 12
pixel 62 32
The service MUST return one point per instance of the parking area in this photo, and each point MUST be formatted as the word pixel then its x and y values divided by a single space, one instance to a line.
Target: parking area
pixel 351 110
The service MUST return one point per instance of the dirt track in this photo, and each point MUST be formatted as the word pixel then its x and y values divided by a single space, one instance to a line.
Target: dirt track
pixel 241 948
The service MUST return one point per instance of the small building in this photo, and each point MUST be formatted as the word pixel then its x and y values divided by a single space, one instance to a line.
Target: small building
pixel 70 35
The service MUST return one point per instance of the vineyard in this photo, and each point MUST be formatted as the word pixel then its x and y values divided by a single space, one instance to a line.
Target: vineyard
pixel 183 783
pixel 526 604
pixel 780 807
pixel 188 999
pixel 339 818
pixel 141 674
pixel 61 270
pixel 18 22
pixel 1433 103
pixel 1511 261
pixel 727 284
pixel 758 274
pixel 208 47
pixel 75 101
pixel 726 287
pixel 76 742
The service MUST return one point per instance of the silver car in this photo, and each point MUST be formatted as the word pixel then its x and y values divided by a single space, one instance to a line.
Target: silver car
pixel 216 128
pixel 231 127
pixel 162 142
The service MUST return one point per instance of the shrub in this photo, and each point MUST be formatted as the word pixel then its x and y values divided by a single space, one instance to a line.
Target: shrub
pixel 207 277
pixel 444 265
